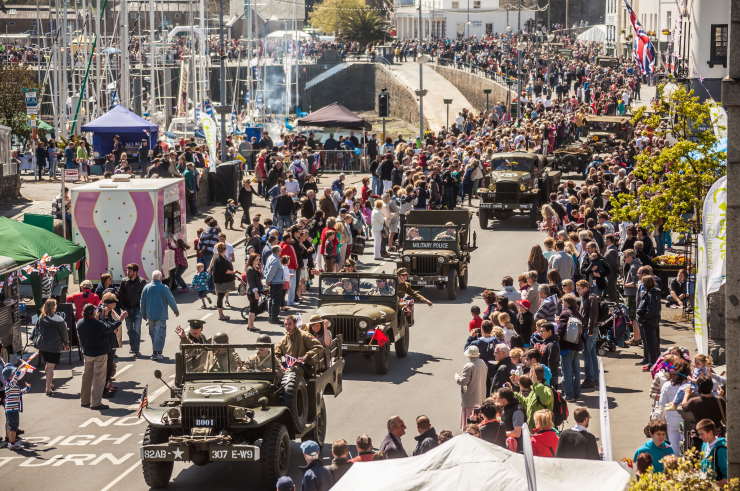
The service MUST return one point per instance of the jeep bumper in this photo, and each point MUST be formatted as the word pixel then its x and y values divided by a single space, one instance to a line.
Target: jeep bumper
pixel 180 452
pixel 430 280
pixel 506 206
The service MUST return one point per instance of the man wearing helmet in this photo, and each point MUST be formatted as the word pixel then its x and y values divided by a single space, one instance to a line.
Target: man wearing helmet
pixel 223 359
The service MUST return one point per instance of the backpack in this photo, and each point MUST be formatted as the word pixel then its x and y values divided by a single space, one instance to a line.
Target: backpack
pixel 573 330
pixel 559 408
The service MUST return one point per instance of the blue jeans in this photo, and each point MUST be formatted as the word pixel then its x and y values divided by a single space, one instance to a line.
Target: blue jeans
pixel 133 327
pixel 376 185
pixel 158 333
pixel 284 221
pixel 570 364
pixel 590 361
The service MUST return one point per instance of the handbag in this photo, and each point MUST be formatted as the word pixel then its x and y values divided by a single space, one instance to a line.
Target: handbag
pixel 36 334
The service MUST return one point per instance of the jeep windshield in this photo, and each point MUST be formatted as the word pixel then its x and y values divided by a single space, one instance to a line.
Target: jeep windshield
pixel 354 288
pixel 511 164
pixel 227 359
pixel 430 237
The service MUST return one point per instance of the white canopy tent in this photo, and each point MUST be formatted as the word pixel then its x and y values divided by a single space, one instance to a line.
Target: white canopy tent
pixel 467 462
pixel 595 33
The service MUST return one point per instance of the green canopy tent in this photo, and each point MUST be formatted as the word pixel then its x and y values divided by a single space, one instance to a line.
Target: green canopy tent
pixel 27 243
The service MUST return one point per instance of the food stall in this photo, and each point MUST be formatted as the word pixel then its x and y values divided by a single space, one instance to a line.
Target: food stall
pixel 123 220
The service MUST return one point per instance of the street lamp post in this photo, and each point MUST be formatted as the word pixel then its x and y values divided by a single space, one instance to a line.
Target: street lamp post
pixel 222 74
pixel 509 83
pixel 447 103
pixel 488 93
pixel 421 92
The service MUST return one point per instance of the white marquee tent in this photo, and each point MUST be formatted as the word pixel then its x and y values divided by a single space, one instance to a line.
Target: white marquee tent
pixel 467 462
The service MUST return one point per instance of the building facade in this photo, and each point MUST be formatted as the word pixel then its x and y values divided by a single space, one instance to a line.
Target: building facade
pixel 457 19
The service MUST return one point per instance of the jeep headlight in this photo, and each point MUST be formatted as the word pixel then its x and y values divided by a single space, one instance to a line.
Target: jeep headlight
pixel 362 324
pixel 407 259
pixel 240 413
pixel 522 187
pixel 173 413
pixel 440 259
pixel 492 187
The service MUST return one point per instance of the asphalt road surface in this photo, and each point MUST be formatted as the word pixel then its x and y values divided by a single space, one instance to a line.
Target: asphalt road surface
pixel 76 448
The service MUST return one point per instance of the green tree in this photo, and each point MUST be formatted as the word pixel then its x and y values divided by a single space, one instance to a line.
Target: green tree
pixel 674 180
pixel 326 15
pixel 13 79
pixel 364 26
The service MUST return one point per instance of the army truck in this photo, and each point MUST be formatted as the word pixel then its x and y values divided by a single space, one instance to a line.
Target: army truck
pixel 520 182
pixel 605 132
pixel 367 312
pixel 237 403
pixel 436 247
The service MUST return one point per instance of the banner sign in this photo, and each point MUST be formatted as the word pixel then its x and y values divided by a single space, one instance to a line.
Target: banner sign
pixel 32 102
pixel 714 229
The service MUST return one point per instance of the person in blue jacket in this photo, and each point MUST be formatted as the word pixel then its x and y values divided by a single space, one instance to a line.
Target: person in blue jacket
pixel 156 297
pixel 656 447
pixel 713 451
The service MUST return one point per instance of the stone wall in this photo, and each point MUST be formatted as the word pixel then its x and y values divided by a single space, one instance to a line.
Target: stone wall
pixel 472 85
pixel 10 187
pixel 403 103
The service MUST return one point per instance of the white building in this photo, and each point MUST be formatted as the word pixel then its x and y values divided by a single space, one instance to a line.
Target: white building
pixel 708 30
pixel 455 19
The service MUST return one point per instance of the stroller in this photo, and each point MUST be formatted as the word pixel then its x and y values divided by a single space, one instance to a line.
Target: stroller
pixel 612 326
pixel 242 291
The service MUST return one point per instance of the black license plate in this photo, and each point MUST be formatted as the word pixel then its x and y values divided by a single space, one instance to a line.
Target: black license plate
pixel 235 453
pixel 164 453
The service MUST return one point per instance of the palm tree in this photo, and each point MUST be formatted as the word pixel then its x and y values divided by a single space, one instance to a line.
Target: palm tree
pixel 364 26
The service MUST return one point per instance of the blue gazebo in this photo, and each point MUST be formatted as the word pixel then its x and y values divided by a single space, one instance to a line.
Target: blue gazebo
pixel 131 127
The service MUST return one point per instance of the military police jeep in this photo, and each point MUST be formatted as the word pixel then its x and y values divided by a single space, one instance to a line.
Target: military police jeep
pixel 236 403
pixel 436 247
pixel 519 184
pixel 366 311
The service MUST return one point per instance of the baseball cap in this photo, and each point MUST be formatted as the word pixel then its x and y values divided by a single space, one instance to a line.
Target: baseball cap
pixel 285 483
pixel 310 447
pixel 524 303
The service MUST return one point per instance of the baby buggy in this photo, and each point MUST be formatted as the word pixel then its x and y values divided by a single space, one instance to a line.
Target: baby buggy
pixel 242 291
pixel 612 326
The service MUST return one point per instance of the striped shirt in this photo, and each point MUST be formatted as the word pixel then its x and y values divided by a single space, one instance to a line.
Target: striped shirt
pixel 14 396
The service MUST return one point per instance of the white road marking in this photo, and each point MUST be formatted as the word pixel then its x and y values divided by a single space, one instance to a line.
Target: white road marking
pixel 121 476
pixel 206 316
pixel 123 369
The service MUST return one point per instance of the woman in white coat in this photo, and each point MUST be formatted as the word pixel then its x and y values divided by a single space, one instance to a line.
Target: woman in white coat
pixel 377 222
pixel 472 382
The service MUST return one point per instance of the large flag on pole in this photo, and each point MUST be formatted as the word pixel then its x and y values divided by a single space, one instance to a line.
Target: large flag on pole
pixel 642 48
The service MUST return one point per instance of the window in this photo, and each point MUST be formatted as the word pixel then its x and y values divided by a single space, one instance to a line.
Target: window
pixel 489 29
pixel 476 4
pixel 718 45
pixel 455 5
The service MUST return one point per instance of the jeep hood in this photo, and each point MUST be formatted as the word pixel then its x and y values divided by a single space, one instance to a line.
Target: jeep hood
pixel 213 392
pixel 429 252
pixel 375 312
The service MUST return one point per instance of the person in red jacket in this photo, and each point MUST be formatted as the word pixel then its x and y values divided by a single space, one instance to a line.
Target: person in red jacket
pixel 287 249
pixel 85 296
pixel 544 438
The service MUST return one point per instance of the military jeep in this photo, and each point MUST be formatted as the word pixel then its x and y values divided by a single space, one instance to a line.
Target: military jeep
pixel 236 403
pixel 605 132
pixel 360 304
pixel 436 247
pixel 519 184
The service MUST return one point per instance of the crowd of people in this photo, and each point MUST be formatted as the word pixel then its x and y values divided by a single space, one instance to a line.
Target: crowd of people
pixel 525 344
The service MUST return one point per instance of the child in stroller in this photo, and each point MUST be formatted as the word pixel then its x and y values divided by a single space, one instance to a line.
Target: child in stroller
pixel 613 321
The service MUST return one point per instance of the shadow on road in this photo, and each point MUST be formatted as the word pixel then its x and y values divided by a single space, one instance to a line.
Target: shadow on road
pixel 359 367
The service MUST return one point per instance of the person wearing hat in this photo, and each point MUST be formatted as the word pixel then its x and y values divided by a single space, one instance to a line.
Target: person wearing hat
pixel 316 477
pixel 195 360
pixel 261 359
pixel 472 382
pixel 113 321
pixel 448 234
pixel 319 328
pixel 404 288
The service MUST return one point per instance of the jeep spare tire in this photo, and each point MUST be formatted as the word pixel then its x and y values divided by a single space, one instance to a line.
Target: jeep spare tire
pixel 295 398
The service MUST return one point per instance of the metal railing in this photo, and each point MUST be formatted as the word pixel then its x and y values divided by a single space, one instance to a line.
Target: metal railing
pixel 341 161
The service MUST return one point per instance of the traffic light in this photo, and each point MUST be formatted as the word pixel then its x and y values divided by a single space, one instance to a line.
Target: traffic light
pixel 383 103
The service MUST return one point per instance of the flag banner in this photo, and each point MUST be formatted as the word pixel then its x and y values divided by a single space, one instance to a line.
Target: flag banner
pixel 642 48
pixel 714 218
pixel 144 402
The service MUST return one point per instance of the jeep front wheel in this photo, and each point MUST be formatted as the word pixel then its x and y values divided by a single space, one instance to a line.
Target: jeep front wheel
pixel 382 359
pixel 483 218
pixel 275 453
pixel 452 284
pixel 534 214
pixel 402 345
pixel 462 281
pixel 156 474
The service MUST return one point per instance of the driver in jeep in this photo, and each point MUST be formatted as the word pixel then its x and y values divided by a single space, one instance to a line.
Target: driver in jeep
pixel 298 344
pixel 412 233
pixel 382 288
pixel 344 287
pixel 223 359
pixel 448 234
pixel 261 361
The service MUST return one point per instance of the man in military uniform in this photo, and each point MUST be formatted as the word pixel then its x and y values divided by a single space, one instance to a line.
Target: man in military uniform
pixel 449 234
pixel 298 343
pixel 261 361
pixel 382 288
pixel 195 359
pixel 223 359
pixel 344 287
pixel 404 288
